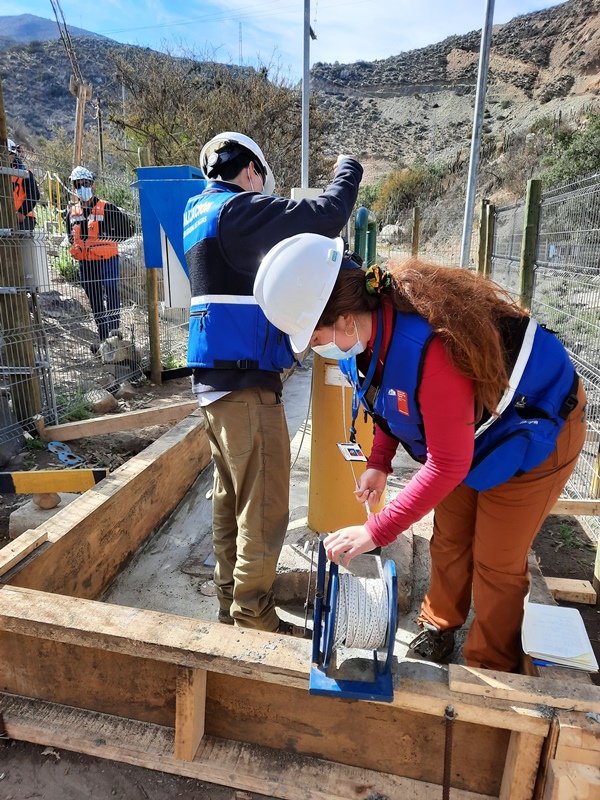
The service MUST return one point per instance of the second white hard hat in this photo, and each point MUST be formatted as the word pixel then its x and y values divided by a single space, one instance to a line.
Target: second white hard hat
pixel 221 139
pixel 12 147
pixel 82 174
pixel 294 283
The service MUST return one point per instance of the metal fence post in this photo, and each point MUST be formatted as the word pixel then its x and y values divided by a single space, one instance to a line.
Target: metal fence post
pixel 365 236
pixel 529 245
pixel 481 253
pixel 152 289
pixel 490 213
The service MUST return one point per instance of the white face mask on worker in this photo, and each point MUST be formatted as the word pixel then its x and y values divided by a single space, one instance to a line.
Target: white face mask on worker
pixel 84 192
pixel 332 350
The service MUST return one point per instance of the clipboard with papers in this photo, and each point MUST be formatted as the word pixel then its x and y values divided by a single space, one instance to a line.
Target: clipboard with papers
pixel 555 636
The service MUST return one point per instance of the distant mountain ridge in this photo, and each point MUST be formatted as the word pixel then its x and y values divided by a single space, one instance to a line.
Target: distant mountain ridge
pixel 25 28
pixel 386 112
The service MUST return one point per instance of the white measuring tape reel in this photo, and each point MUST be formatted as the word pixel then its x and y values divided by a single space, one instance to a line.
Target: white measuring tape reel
pixel 356 613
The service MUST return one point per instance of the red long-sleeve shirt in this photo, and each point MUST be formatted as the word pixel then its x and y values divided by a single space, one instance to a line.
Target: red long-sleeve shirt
pixel 447 407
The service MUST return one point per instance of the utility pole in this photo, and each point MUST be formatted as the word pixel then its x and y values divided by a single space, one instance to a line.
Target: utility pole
pixel 484 57
pixel 100 135
pixel 305 95
pixel 77 85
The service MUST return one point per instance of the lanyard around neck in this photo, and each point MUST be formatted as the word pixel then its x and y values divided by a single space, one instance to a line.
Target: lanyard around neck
pixel 360 389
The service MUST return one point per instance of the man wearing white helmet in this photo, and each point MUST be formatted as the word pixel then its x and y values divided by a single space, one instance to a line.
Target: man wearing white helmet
pixel 95 228
pixel 25 190
pixel 237 358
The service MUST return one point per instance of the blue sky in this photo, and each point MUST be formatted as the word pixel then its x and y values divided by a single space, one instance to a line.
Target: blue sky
pixel 272 30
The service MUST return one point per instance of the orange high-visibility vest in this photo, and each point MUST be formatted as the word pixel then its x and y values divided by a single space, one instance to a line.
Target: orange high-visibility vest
pixel 20 195
pixel 93 248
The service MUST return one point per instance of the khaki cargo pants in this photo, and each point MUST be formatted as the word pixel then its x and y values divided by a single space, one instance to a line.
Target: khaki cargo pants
pixel 250 447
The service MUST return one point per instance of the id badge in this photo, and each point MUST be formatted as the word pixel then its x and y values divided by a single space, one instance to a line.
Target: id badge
pixel 351 451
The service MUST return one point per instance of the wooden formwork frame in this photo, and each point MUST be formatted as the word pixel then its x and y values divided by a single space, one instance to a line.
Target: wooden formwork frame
pixel 231 706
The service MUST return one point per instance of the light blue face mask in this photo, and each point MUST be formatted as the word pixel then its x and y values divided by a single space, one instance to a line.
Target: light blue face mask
pixel 334 352
pixel 84 192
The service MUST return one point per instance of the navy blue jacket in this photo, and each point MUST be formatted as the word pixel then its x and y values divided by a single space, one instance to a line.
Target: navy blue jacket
pixel 248 225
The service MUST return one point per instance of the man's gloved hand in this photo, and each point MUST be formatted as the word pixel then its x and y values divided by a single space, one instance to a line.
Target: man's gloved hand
pixel 340 158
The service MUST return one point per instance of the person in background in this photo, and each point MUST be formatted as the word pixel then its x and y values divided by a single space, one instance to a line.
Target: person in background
pixel 95 227
pixel 237 359
pixel 26 192
pixel 487 400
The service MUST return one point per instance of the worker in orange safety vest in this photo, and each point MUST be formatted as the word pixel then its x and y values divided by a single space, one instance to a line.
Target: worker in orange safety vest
pixel 26 192
pixel 95 228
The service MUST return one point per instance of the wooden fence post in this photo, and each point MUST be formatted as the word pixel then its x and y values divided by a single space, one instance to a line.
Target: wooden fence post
pixel 416 226
pixel 152 290
pixel 529 245
pixel 14 309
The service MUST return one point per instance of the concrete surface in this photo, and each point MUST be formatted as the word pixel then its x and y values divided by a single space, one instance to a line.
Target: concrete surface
pixel 173 571
pixel 30 515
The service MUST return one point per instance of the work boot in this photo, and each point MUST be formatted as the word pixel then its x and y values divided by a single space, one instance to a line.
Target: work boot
pixel 289 629
pixel 225 617
pixel 433 644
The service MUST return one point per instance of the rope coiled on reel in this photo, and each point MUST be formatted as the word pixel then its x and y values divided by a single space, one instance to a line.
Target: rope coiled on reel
pixel 362 613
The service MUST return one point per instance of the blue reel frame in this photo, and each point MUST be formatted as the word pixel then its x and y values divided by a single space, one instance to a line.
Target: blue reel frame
pixel 325 612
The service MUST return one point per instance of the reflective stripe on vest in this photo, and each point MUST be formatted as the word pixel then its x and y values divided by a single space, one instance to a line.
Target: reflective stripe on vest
pixel 92 248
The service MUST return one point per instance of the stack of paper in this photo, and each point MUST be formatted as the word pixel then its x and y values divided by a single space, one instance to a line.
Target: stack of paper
pixel 556 636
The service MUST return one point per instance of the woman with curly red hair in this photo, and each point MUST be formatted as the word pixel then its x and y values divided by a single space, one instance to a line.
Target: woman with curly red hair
pixel 475 390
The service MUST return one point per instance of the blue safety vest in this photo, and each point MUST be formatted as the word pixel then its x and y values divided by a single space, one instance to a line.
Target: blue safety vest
pixel 542 394
pixel 228 329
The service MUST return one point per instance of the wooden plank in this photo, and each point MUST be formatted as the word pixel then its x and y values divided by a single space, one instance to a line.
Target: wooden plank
pixel 95 535
pixel 578 755
pixel 20 547
pixel 548 753
pixel 50 480
pixel 579 730
pixel 250 768
pixel 568 781
pixel 111 423
pixel 252 654
pixel 552 692
pixel 572 590
pixel 582 508
pixel 521 766
pixel 191 707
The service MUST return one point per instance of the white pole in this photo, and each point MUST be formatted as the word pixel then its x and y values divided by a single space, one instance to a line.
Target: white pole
pixel 484 57
pixel 305 95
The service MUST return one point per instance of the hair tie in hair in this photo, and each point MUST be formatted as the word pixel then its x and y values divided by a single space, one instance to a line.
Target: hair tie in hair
pixel 378 280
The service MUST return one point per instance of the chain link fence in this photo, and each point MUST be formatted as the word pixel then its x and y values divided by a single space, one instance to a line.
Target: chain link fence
pixel 69 328
pixel 566 296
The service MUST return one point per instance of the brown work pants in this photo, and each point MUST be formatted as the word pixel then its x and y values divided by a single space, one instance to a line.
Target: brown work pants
pixel 480 545
pixel 250 447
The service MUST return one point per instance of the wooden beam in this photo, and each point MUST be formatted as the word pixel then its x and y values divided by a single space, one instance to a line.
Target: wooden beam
pixel 572 590
pixel 190 710
pixel 250 768
pixel 552 692
pixel 521 766
pixel 111 423
pixel 245 653
pixel 20 547
pixel 568 781
pixel 43 481
pixel 95 535
pixel 581 508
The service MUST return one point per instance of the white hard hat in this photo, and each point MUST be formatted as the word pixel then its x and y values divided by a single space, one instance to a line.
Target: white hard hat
pixel 12 147
pixel 82 174
pixel 294 283
pixel 221 139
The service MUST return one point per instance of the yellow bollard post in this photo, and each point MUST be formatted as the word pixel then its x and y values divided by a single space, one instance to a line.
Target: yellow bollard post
pixel 332 479
pixel 58 207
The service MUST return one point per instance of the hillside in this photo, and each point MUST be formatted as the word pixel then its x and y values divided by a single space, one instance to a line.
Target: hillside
pixel 27 28
pixel 418 103
pixel 421 102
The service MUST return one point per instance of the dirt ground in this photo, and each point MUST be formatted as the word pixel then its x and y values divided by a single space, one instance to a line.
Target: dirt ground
pixel 563 548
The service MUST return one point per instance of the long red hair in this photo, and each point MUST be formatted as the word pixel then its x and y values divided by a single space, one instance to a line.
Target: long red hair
pixel 463 309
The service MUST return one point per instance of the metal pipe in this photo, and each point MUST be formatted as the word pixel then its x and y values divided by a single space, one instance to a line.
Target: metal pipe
pixel 484 57
pixel 305 95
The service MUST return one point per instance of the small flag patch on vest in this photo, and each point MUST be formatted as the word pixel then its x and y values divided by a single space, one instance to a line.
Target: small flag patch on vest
pixel 402 400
